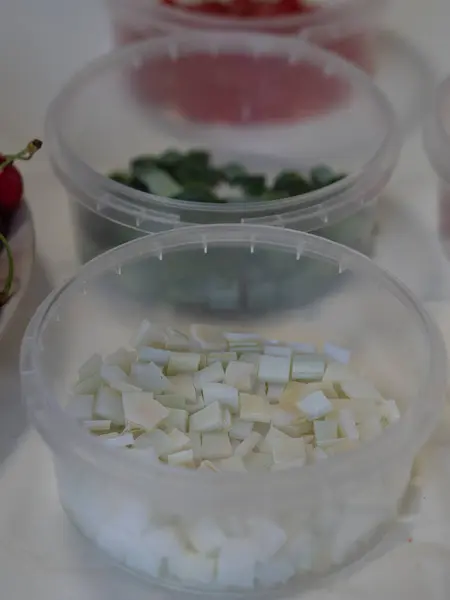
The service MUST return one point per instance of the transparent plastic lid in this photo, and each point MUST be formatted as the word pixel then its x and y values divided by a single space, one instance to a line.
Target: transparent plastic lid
pixel 437 131
pixel 95 125
pixel 335 294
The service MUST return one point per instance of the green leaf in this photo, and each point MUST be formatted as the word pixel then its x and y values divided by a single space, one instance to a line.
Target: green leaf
pixel 137 184
pixel 143 164
pixel 170 159
pixel 322 176
pixel 253 185
pixel 232 171
pixel 129 180
pixel 199 158
pixel 121 177
pixel 274 195
pixel 291 183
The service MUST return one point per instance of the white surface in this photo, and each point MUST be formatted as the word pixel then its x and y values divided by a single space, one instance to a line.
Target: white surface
pixel 41 555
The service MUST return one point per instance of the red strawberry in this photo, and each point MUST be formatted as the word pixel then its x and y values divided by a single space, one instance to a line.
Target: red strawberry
pixel 11 188
pixel 11 182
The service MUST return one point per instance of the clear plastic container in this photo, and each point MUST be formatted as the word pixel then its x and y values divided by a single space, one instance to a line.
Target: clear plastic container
pixel 94 126
pixel 331 512
pixel 437 147
pixel 346 27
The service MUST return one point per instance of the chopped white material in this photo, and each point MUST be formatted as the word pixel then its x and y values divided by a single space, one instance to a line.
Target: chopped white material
pixel 258 462
pixel 315 405
pixel 192 567
pixel 108 405
pixel 223 357
pixel 175 401
pixel 347 424
pixel 183 385
pixel 360 389
pixel 242 337
pixel 319 454
pixel 284 449
pixel 207 337
pixel 341 355
pixel 325 431
pixel 216 445
pixel 275 572
pixel 192 408
pixel 179 440
pixel 81 407
pixel 177 419
pixel 89 385
pixel 209 418
pixel 183 458
pixel 161 543
pixel 211 374
pixel 142 409
pixel 112 374
pixel 307 367
pixel 338 372
pixel 125 386
pixel 327 387
pixel 149 377
pixel 390 411
pixel 370 428
pixel 281 418
pixel 240 375
pixel 196 444
pixel 206 536
pixel 97 425
pixel 275 350
pixel 298 429
pixel 159 441
pixel 274 369
pixel 340 445
pixel 227 419
pixel 177 340
pixel 250 357
pixel 207 465
pixel 236 564
pixel 122 358
pixel 234 464
pixel 148 334
pixel 261 389
pixel 275 391
pixel 254 408
pixel 248 444
pixel 227 395
pixel 293 392
pixel 119 441
pixel 156 355
pixel 91 367
pixel 240 429
pixel 269 537
pixel 183 362
pixel 303 348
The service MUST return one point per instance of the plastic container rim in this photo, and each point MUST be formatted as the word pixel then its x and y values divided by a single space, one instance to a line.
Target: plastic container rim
pixel 66 162
pixel 435 137
pixel 325 17
pixel 63 434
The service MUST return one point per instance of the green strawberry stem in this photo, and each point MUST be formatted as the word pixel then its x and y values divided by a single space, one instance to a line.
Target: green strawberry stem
pixel 24 154
pixel 5 293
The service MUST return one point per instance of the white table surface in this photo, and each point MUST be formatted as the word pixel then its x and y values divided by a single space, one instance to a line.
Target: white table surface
pixel 41 556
